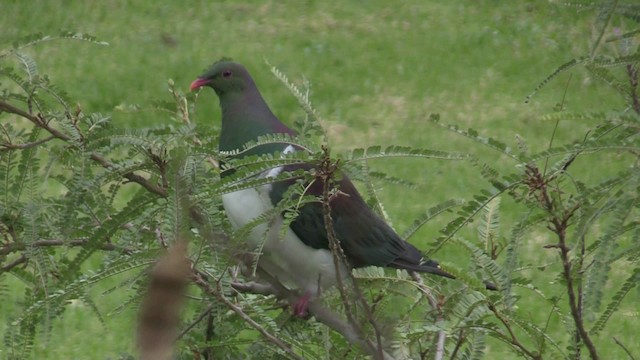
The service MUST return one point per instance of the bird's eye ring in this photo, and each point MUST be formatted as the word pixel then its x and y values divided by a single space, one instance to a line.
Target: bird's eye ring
pixel 226 73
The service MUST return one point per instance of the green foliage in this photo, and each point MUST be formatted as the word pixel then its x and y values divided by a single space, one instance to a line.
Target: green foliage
pixel 77 191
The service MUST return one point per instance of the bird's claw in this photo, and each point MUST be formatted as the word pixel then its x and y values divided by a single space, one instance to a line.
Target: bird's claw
pixel 301 307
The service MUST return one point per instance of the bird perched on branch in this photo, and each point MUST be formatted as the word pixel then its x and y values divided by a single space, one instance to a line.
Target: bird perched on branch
pixel 302 258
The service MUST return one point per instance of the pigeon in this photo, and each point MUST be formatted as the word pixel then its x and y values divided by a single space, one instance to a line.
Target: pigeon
pixel 302 258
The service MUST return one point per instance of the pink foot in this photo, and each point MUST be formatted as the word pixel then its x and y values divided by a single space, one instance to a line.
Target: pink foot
pixel 301 307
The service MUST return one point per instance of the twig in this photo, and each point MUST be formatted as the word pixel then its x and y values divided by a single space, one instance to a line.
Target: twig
pixel 436 307
pixel 632 71
pixel 332 320
pixel 624 348
pixel 459 343
pixel 513 339
pixel 559 227
pixel 194 323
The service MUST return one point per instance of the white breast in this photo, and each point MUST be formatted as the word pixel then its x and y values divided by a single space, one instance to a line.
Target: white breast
pixel 288 259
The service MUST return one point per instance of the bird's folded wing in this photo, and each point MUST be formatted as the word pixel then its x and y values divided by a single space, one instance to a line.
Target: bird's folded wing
pixel 365 238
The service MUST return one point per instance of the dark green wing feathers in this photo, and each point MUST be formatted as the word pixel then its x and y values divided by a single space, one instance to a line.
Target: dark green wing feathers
pixel 365 238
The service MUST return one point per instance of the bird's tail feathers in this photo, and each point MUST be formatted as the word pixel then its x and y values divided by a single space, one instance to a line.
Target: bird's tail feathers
pixel 432 267
pixel 428 266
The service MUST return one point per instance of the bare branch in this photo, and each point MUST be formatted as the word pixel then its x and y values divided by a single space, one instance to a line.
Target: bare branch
pixel 632 71
pixel 20 260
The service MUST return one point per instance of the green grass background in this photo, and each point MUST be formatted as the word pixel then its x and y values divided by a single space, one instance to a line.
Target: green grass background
pixel 377 68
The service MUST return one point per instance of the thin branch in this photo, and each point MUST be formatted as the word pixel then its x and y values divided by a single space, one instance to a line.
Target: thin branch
pixel 624 348
pixel 436 307
pixel 100 159
pixel 459 343
pixel 611 10
pixel 559 222
pixel 254 288
pixel 8 146
pixel 559 226
pixel 326 174
pixel 512 336
pixel 217 292
pixel 322 314
pixel 20 260
pixel 333 320
pixel 632 71
pixel 194 323
pixel 19 246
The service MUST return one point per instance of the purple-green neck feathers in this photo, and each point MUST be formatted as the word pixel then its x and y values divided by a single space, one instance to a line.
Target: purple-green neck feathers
pixel 245 115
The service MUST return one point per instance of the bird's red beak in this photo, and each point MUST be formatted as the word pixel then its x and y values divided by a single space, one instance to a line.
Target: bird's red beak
pixel 197 83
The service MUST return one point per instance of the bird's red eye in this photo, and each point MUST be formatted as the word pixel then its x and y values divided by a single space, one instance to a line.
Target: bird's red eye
pixel 226 73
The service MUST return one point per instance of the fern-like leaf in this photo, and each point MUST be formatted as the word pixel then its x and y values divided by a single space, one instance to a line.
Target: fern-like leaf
pixel 30 66
pixel 475 136
pixel 631 282
pixel 430 214
pixel 598 273
pixel 313 121
pixel 489 225
pixel 561 69
pixel 377 152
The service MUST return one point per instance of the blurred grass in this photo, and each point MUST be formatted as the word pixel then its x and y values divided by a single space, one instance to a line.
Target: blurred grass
pixel 378 69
